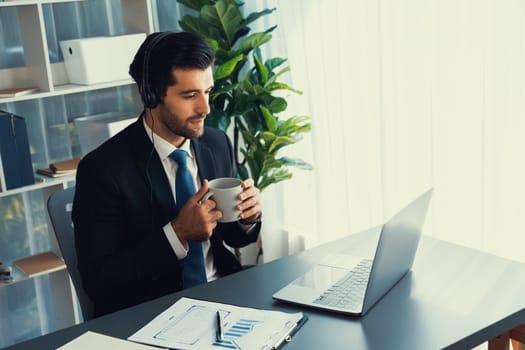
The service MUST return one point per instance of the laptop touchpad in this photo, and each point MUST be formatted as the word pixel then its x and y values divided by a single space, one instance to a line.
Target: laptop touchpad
pixel 320 277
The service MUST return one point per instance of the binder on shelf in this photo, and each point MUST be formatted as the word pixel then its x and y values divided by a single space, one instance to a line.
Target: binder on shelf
pixel 16 169
pixel 39 264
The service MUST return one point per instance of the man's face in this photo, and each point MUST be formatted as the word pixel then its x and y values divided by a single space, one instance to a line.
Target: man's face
pixel 185 106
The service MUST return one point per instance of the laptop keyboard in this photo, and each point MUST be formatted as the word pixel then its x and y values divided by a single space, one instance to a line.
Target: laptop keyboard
pixel 348 292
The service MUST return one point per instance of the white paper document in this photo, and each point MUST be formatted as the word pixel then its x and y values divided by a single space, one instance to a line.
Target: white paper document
pixel 92 340
pixel 192 324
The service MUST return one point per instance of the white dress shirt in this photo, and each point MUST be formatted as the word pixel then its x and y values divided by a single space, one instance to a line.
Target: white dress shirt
pixel 164 149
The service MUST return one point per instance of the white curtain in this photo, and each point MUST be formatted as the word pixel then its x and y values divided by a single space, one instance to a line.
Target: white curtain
pixel 404 95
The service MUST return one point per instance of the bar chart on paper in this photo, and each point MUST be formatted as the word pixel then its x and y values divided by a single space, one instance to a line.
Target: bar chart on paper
pixel 234 332
pixel 190 328
pixel 192 324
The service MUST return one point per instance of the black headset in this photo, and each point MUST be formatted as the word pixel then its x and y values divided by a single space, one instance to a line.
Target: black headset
pixel 148 95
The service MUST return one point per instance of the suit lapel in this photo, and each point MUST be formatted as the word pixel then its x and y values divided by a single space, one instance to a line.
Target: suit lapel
pixel 152 171
pixel 205 161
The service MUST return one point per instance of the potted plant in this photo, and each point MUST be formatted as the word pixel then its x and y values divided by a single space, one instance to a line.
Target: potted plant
pixel 244 99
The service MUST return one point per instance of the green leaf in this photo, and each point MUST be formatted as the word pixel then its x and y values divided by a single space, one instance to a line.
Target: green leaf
pixel 247 86
pixel 271 121
pixel 227 68
pixel 222 55
pixel 249 138
pixel 241 105
pixel 278 104
pixel 271 29
pixel 195 25
pixel 275 76
pixel 295 162
pixel 224 16
pixel 255 160
pixel 219 101
pixel 195 4
pixel 258 90
pixel 274 63
pixel 281 86
pixel 213 43
pixel 220 90
pixel 293 125
pixel 267 137
pixel 256 15
pixel 274 177
pixel 270 162
pixel 254 121
pixel 253 41
pixel 280 142
pixel 241 32
pixel 219 120
pixel 261 69
pixel 243 171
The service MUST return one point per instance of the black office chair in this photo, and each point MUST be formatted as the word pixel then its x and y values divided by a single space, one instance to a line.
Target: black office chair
pixel 59 207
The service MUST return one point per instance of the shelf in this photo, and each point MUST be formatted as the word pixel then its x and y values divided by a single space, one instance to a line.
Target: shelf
pixel 20 276
pixel 67 89
pixel 47 182
pixel 39 264
pixel 7 3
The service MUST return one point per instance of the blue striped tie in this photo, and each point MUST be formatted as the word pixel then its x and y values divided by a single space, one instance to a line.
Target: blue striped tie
pixel 194 270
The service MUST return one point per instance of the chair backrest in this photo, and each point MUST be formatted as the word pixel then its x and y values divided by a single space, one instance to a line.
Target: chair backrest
pixel 59 207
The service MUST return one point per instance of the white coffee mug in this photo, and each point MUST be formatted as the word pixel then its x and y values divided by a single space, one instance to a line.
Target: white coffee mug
pixel 224 192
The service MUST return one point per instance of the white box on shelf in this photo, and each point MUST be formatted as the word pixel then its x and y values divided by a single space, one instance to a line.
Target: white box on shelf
pixel 100 59
pixel 94 130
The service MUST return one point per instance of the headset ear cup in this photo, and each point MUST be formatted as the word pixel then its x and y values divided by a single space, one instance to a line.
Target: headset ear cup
pixel 149 98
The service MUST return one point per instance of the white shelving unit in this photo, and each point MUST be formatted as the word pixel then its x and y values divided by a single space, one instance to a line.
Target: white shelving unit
pixel 52 81
pixel 53 183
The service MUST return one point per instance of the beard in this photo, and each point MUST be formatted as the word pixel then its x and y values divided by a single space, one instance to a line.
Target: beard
pixel 182 127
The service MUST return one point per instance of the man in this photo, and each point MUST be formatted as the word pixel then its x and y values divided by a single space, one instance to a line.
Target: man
pixel 133 239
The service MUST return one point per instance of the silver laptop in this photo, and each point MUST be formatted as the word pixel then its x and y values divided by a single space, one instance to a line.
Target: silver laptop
pixel 353 285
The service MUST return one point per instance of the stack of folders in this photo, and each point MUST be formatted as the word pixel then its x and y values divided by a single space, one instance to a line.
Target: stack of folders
pixel 59 169
pixel 192 324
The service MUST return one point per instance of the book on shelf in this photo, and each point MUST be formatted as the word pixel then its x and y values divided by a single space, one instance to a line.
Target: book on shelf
pixel 50 173
pixel 59 169
pixel 65 165
pixel 39 264
pixel 15 92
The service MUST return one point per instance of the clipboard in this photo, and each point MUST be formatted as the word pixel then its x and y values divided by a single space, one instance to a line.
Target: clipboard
pixel 287 336
pixel 191 324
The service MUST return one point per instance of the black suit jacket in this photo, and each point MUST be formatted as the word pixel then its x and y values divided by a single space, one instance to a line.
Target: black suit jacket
pixel 122 201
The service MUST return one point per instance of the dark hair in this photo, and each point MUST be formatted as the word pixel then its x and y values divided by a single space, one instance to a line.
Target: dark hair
pixel 169 51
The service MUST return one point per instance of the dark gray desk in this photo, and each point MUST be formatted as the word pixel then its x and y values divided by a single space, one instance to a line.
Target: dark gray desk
pixel 454 298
